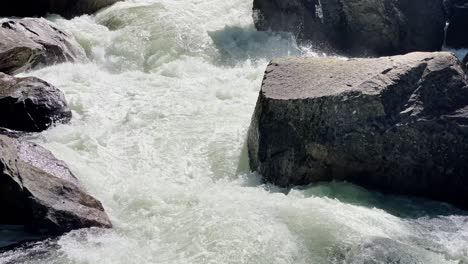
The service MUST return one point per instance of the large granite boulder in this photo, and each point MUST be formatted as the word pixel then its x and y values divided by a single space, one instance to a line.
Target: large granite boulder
pixel 457 32
pixel 66 8
pixel 30 104
pixel 39 192
pixel 357 27
pixel 28 42
pixel 398 124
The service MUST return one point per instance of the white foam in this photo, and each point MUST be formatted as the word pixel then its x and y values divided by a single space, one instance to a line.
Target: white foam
pixel 160 118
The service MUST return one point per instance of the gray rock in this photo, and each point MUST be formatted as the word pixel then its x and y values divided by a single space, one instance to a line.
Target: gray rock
pixel 357 27
pixel 66 8
pixel 25 43
pixel 398 124
pixel 39 192
pixel 30 104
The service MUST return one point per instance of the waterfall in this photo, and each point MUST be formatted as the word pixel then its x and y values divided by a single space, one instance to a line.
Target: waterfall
pixel 447 25
pixel 319 11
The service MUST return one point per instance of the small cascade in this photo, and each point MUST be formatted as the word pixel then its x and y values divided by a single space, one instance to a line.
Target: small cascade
pixel 447 7
pixel 319 11
pixel 447 25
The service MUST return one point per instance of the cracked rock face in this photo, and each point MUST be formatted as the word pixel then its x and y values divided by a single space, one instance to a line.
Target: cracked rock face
pixel 357 27
pixel 39 192
pixel 28 42
pixel 30 104
pixel 398 124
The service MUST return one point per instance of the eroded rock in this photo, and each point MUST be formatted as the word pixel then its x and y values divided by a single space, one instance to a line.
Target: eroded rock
pixel 39 192
pixel 28 42
pixel 30 104
pixel 398 124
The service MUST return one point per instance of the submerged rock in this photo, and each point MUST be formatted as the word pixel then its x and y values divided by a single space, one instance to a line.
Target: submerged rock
pixel 357 27
pixel 398 124
pixel 66 8
pixel 457 32
pixel 377 250
pixel 45 250
pixel 30 104
pixel 39 192
pixel 28 42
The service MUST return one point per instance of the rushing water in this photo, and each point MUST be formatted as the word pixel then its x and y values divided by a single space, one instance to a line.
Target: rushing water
pixel 160 119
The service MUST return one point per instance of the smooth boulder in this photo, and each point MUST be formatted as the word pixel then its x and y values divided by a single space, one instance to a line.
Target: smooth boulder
pixel 66 8
pixel 357 27
pixel 457 31
pixel 30 104
pixel 397 124
pixel 39 192
pixel 28 42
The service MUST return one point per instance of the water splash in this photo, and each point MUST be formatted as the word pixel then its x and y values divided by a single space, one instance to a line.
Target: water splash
pixel 319 11
pixel 160 119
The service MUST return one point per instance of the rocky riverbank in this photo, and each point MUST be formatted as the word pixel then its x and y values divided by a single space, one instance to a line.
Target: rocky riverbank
pixel 38 192
pixel 160 117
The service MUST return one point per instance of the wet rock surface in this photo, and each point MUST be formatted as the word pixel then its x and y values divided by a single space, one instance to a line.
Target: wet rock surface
pixel 357 27
pixel 28 42
pixel 39 192
pixel 398 124
pixel 30 104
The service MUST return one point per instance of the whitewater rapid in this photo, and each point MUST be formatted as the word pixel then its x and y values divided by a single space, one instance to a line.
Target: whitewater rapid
pixel 161 112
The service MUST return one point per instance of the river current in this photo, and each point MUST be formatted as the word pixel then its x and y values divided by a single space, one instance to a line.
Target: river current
pixel 161 111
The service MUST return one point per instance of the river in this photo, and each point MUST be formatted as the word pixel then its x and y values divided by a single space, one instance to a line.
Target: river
pixel 161 112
